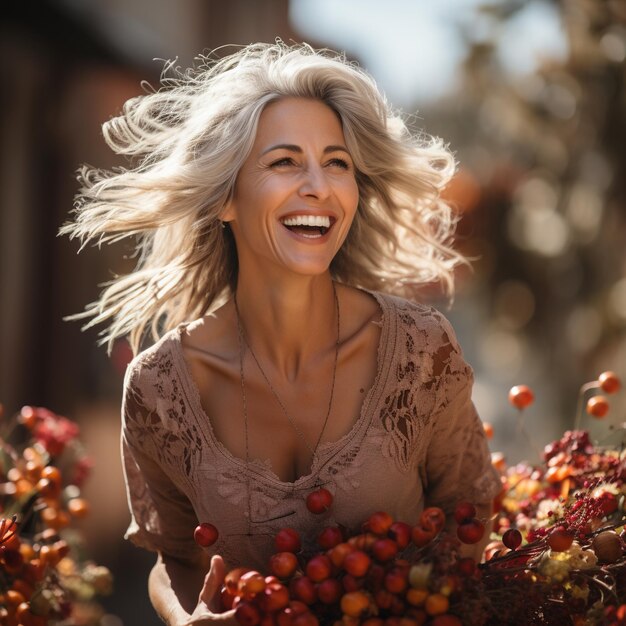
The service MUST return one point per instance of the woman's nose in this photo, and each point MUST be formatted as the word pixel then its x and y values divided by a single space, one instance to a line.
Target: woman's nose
pixel 315 183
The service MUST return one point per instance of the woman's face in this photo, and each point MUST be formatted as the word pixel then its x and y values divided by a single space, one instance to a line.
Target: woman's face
pixel 296 194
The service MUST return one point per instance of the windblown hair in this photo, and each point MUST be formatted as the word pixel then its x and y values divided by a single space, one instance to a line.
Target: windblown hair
pixel 187 142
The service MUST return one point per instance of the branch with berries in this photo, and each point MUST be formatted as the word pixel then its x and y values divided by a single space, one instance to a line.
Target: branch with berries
pixel 44 577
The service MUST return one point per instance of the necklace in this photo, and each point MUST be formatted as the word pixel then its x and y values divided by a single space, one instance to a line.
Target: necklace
pixel 244 344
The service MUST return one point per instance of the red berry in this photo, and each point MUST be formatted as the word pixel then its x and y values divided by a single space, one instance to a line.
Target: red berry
pixel 421 536
pixel 205 534
pixel 357 563
pixel 329 591
pixel 560 539
pixel 287 540
pixel 275 597
pixel 319 568
pixel 250 584
pixel 231 580
pixel 598 406
pixel 400 532
pixel 464 511
pixel 396 580
pixel 471 531
pixel 319 501
pixel 521 396
pixel 385 549
pixel 339 552
pixel 433 518
pixel 247 614
pixel 283 564
pixel 379 523
pixel 303 589
pixel 512 539
pixel 609 382
pixel 330 537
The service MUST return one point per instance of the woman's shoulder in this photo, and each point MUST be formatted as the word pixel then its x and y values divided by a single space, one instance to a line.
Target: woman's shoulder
pixel 410 314
pixel 155 360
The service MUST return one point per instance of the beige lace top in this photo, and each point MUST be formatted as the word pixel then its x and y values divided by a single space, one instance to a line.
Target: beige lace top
pixel 417 440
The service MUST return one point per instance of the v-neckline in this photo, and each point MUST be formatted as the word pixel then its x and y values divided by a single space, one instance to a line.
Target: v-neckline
pixel 262 469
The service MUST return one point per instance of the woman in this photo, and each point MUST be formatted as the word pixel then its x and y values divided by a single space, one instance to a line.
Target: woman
pixel 275 195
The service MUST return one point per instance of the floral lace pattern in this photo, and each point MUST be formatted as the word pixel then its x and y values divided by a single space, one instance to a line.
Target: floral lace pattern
pixel 418 433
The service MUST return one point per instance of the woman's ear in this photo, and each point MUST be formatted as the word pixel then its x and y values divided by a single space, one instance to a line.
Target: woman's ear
pixel 228 213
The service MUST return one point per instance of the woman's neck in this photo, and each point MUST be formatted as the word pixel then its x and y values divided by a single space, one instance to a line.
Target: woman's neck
pixel 290 323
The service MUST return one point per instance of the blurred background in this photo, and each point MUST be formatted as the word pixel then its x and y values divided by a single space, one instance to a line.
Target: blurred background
pixel 530 95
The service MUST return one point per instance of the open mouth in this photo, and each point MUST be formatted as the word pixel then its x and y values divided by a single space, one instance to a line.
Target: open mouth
pixel 310 226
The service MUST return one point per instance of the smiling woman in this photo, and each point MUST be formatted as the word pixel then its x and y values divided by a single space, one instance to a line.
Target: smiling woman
pixel 276 196
pixel 296 194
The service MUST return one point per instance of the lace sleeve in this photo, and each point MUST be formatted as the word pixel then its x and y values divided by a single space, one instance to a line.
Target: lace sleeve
pixel 458 462
pixel 162 517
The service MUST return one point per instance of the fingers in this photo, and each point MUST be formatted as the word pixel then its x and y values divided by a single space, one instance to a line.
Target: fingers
pixel 213 582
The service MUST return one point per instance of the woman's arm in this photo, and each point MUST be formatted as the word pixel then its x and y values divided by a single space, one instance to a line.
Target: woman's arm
pixel 184 594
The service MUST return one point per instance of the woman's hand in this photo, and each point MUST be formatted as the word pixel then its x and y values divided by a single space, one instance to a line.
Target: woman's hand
pixel 207 609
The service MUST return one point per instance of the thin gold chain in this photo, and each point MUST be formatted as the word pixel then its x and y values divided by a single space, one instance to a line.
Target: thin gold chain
pixel 243 342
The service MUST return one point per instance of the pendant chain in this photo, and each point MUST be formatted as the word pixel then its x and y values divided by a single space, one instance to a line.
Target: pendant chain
pixel 244 344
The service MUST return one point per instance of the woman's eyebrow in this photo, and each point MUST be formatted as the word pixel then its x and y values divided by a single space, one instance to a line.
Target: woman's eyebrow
pixel 298 149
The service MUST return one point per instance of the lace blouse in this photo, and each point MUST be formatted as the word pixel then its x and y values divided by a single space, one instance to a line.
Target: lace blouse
pixel 418 440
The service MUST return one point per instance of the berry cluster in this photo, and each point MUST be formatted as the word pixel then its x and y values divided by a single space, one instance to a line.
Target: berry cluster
pixel 560 542
pixel 557 553
pixel 42 579
pixel 390 574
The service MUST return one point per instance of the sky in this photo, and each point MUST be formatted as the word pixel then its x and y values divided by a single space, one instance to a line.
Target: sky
pixel 413 48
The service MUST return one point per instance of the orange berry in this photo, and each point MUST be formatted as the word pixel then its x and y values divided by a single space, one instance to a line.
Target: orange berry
pixel 49 555
pixel 598 406
pixel 46 488
pixel 14 598
pixel 560 539
pixel 521 396
pixel 436 604
pixel 55 518
pixel 339 553
pixel 609 382
pixel 27 417
pixel 355 603
pixel 488 428
pixel 21 586
pixel 78 507
pixel 498 461
pixel 33 470
pixel 416 597
pixel 558 473
pixel 22 487
pixel 54 476
pixel 27 551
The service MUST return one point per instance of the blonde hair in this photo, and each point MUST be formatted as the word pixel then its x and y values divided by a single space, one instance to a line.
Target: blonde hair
pixel 187 142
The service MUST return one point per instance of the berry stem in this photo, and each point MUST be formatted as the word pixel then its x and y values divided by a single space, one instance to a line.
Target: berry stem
pixel 594 384
pixel 521 430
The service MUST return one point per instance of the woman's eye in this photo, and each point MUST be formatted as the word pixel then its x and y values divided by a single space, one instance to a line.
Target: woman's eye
pixel 283 161
pixel 340 163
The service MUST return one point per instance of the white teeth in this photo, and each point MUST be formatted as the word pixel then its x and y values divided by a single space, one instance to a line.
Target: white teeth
pixel 307 220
